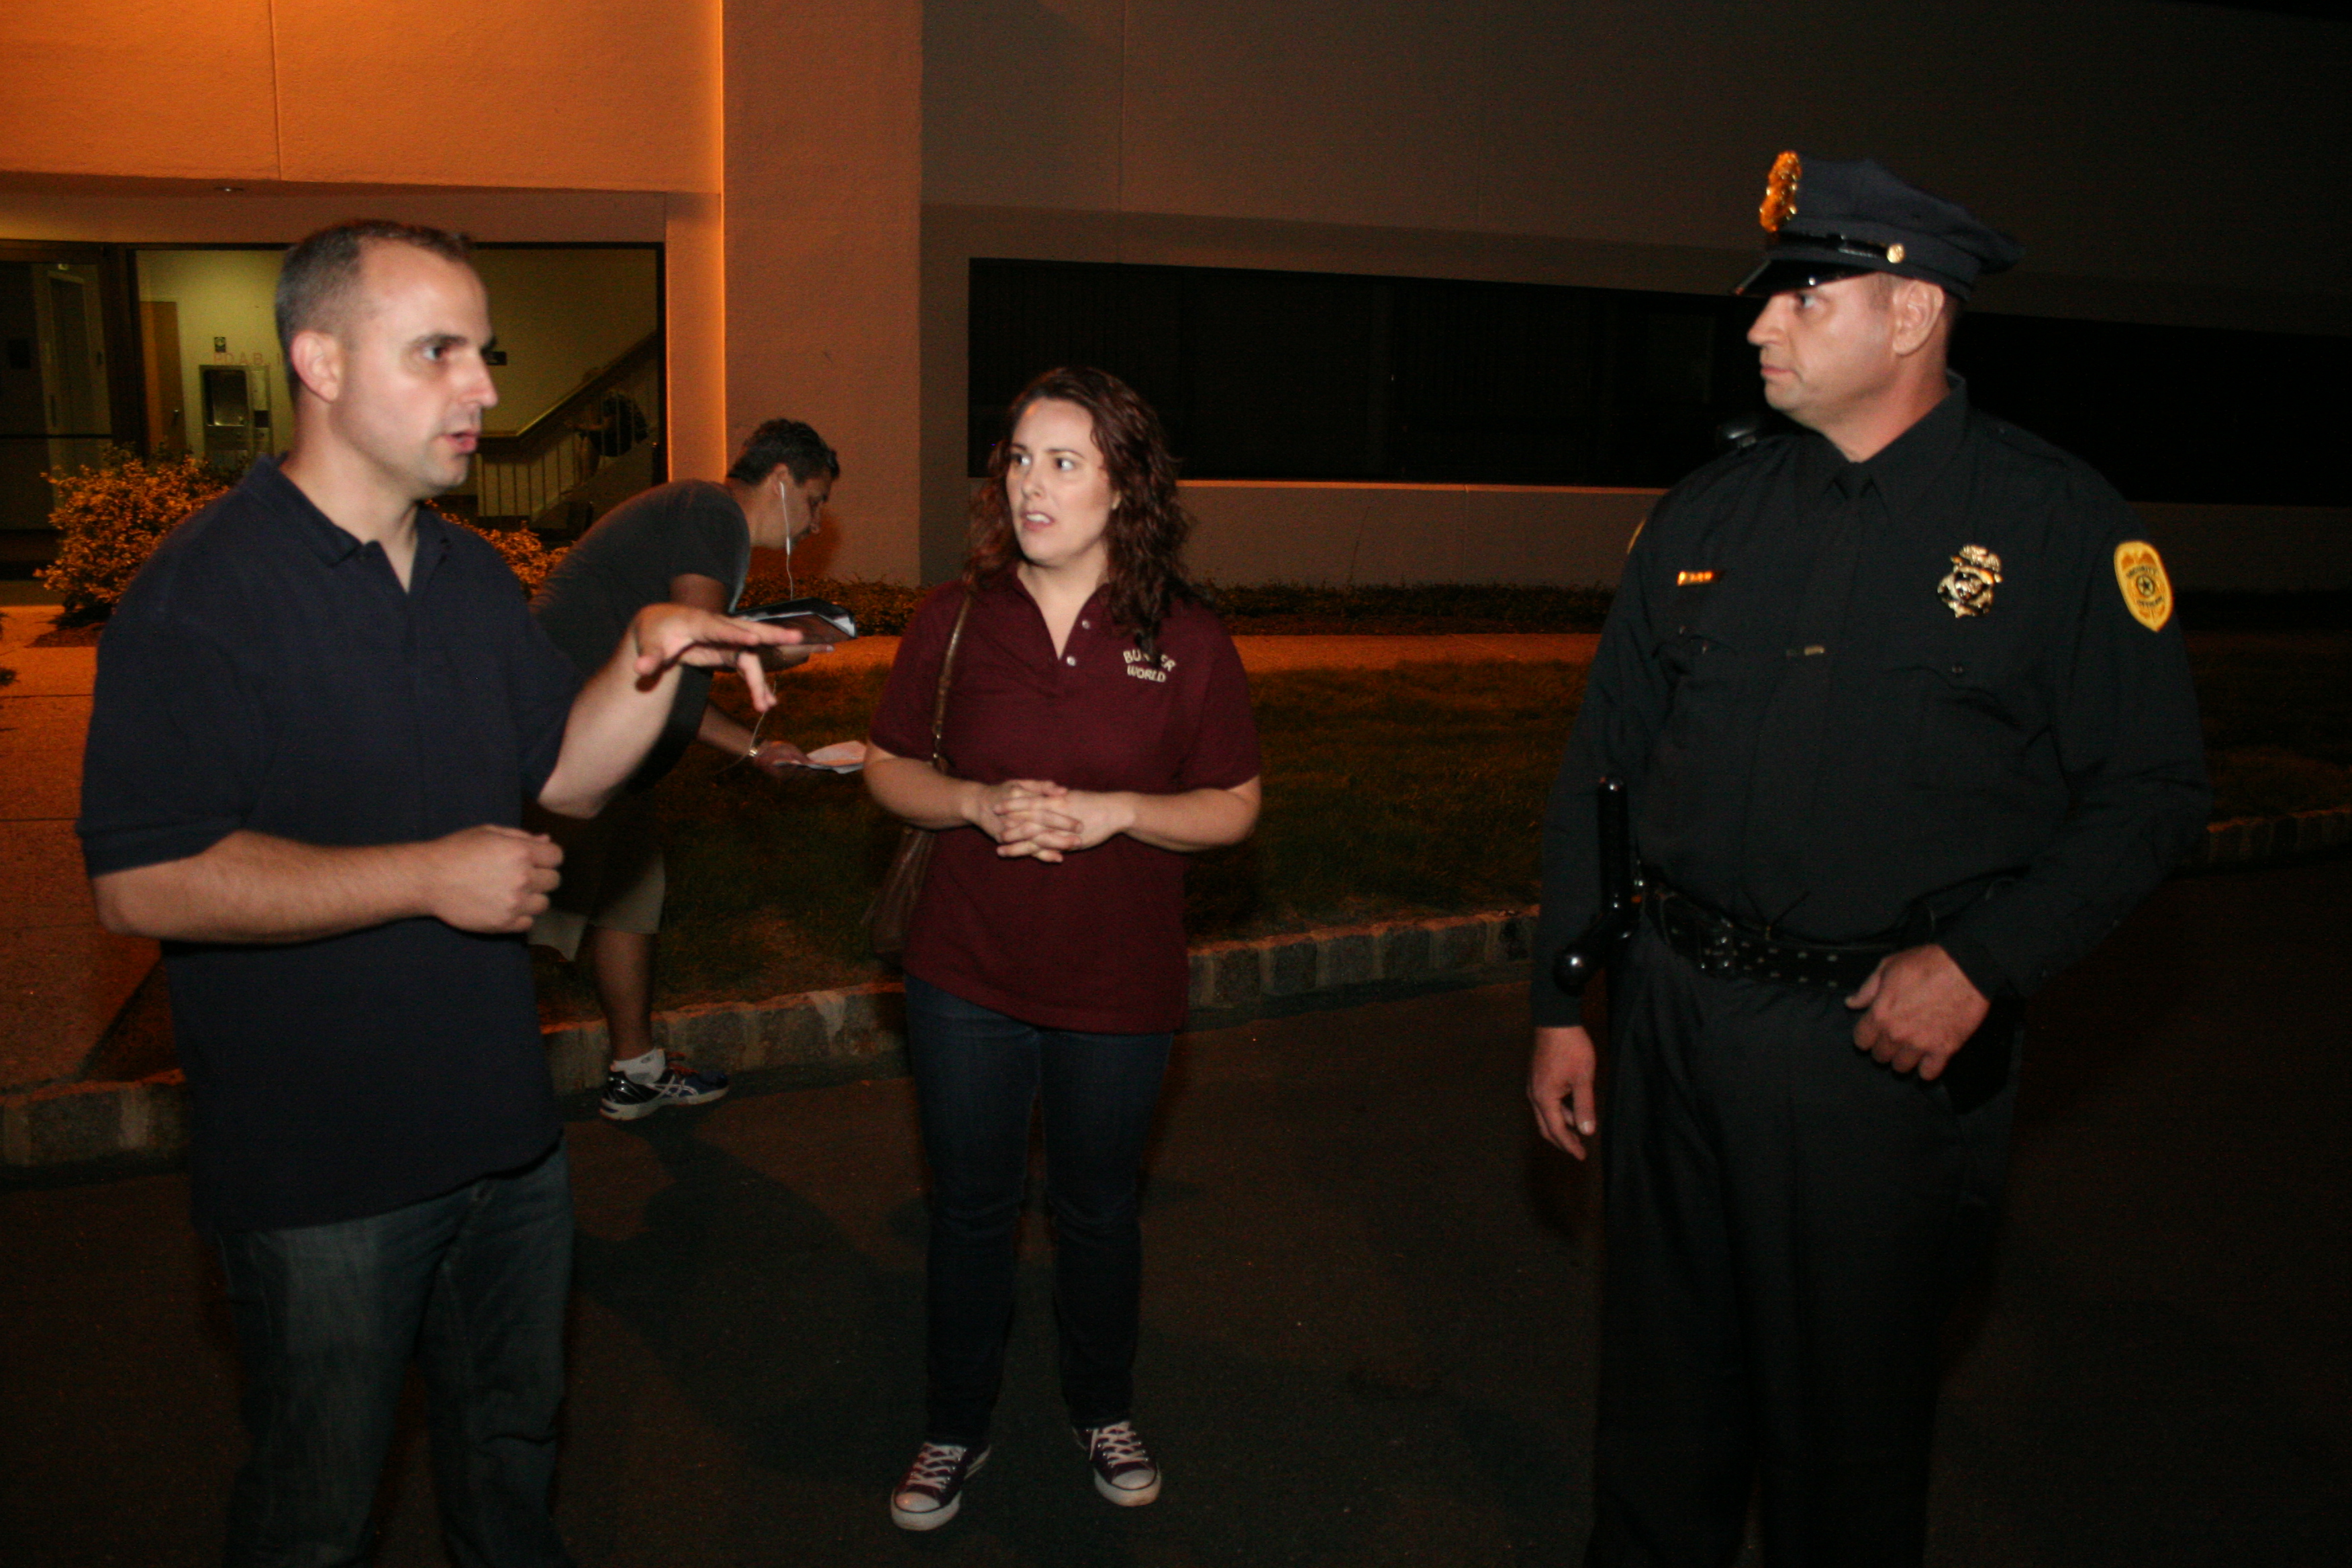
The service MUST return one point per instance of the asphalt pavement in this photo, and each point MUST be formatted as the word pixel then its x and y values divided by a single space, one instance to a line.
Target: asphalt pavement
pixel 1369 1308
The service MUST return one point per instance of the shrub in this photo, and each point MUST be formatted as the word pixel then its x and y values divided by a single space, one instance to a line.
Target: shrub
pixel 109 519
pixel 526 556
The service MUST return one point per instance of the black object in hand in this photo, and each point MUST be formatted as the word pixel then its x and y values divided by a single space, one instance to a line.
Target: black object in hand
pixel 817 620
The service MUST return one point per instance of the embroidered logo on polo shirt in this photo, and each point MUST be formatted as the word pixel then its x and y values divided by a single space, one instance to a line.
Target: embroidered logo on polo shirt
pixel 1967 588
pixel 2147 592
pixel 1138 664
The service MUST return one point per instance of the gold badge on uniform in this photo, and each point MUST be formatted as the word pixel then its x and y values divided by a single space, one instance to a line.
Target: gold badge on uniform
pixel 1780 191
pixel 1967 588
pixel 2147 593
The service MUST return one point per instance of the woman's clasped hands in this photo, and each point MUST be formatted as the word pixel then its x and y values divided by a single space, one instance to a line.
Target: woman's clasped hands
pixel 1042 820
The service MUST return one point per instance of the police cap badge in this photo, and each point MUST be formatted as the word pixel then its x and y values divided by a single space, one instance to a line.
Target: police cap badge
pixel 1855 216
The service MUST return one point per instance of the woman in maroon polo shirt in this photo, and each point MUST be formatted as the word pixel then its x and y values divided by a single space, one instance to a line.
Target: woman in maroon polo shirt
pixel 1097 728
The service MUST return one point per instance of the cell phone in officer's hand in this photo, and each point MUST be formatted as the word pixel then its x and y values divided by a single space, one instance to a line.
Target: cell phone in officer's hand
pixel 817 620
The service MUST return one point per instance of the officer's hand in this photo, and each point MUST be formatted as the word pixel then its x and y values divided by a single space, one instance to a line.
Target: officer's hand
pixel 488 878
pixel 1917 1008
pixel 1559 1086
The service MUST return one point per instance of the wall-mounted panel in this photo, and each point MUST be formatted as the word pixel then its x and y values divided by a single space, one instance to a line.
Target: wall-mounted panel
pixel 1021 101
pixel 823 244
pixel 262 216
pixel 1371 113
pixel 181 88
pixel 2140 139
pixel 1362 534
pixel 1350 534
pixel 591 94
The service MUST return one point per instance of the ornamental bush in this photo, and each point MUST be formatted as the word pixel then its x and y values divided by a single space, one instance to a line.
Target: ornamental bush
pixel 525 554
pixel 110 517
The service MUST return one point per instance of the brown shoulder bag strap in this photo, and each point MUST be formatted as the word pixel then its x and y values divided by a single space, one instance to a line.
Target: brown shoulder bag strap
pixel 947 674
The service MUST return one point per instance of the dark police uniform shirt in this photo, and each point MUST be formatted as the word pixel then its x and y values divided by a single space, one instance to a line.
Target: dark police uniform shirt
pixel 624 564
pixel 1813 740
pixel 267 672
pixel 1097 942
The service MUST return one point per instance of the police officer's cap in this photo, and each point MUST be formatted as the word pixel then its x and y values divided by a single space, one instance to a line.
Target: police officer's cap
pixel 1830 220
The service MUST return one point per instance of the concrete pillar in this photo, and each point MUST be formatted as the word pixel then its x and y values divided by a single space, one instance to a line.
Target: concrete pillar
pixel 823 207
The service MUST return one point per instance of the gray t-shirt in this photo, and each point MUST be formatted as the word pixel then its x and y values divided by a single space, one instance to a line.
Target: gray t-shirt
pixel 625 563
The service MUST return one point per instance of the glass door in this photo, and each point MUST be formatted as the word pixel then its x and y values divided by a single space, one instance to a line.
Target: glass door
pixel 68 363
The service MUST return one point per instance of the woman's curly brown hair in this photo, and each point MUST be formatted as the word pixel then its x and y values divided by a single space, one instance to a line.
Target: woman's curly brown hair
pixel 1147 526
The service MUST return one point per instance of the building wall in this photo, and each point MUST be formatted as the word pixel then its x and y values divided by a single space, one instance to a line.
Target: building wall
pixel 824 170
pixel 2123 138
pixel 2159 160
pixel 581 94
pixel 1250 532
pixel 513 119
pixel 1346 534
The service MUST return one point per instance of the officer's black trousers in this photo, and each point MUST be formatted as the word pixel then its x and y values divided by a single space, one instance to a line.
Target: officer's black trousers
pixel 1788 1225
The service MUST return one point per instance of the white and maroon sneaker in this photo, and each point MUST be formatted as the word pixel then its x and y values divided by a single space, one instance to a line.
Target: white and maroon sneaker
pixel 933 1488
pixel 1123 1469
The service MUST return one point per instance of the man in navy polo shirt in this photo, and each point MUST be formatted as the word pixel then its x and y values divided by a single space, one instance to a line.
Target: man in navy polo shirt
pixel 319 713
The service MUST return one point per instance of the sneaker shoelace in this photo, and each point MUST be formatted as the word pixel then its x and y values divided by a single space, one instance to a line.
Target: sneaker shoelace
pixel 934 1469
pixel 1117 1448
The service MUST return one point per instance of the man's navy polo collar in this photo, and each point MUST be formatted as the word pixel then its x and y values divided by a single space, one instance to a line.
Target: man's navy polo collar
pixel 333 543
pixel 1905 468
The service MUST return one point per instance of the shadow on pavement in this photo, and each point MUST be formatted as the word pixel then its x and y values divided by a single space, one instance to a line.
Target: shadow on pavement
pixel 1369 1306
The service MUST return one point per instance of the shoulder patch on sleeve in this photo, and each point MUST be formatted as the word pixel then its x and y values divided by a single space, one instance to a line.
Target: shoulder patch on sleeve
pixel 2147 593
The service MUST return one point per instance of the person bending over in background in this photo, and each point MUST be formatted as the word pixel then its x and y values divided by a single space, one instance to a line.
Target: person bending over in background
pixel 690 543
pixel 1097 728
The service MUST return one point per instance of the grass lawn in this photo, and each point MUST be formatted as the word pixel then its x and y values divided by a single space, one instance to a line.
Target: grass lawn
pixel 2278 719
pixel 1389 792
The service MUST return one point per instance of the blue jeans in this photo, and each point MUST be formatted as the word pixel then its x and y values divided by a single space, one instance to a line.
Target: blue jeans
pixel 978 1074
pixel 472 1287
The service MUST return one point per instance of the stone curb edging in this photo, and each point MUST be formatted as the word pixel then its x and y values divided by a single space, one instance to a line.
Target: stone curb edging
pixel 71 1124
pixel 67 1124
pixel 2253 841
pixel 1231 981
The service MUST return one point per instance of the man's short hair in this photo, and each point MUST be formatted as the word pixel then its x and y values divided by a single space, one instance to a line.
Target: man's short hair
pixel 316 280
pixel 787 443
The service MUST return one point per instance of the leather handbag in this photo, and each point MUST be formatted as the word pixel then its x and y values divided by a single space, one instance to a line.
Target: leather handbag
pixel 893 909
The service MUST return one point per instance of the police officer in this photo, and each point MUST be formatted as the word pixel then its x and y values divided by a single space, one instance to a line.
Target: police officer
pixel 1905 726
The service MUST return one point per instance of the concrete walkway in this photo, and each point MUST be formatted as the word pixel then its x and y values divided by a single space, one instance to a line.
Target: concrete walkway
pixel 65 978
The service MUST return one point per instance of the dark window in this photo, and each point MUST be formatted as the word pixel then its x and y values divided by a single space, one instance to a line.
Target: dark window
pixel 2172 414
pixel 1301 376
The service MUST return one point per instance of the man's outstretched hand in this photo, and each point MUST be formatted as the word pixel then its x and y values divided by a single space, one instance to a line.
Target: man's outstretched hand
pixel 664 635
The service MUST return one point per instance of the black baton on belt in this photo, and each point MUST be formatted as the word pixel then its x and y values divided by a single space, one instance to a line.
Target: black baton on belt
pixel 1621 894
